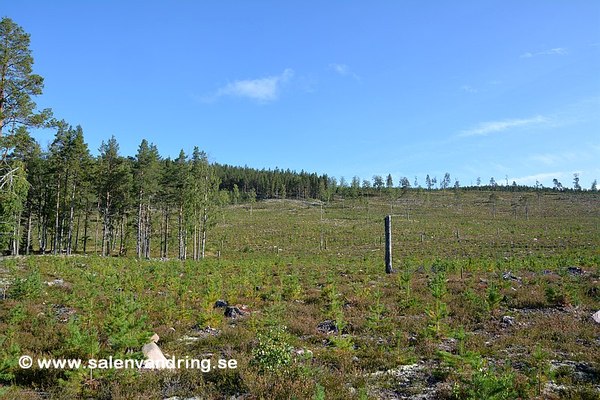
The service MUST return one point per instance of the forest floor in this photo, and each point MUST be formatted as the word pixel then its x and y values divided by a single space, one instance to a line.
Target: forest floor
pixel 492 297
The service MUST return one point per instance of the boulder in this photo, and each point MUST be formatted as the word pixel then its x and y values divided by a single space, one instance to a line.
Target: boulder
pixel 155 359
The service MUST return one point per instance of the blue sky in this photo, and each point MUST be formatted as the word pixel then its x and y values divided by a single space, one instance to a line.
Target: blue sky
pixel 474 88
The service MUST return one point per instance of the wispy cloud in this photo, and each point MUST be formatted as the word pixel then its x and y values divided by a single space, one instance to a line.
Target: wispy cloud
pixel 468 89
pixel 343 70
pixel 485 128
pixel 262 89
pixel 560 51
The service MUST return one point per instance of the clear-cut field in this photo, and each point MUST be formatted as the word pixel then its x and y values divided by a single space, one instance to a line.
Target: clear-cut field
pixel 480 305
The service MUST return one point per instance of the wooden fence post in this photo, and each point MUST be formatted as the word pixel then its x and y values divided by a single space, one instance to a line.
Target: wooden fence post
pixel 388 244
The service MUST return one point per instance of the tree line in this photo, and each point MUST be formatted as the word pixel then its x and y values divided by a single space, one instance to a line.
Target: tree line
pixel 64 200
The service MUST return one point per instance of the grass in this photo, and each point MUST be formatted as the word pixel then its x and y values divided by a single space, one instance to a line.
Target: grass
pixel 295 264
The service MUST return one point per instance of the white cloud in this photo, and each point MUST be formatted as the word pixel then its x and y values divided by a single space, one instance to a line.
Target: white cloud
pixel 468 89
pixel 485 128
pixel 262 89
pixel 561 51
pixel 343 70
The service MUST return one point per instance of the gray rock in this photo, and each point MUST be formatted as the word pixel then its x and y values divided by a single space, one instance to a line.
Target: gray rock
pixel 303 352
pixel 189 339
pixel 327 327
pixel 205 332
pixel 234 312
pixel 448 345
pixel 221 304
pixel 508 320
pixel 576 271
pixel 579 371
pixel 63 313
pixel 57 282
pixel 596 317
pixel 508 276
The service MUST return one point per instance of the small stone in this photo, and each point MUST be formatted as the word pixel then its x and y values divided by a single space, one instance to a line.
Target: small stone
pixel 234 312
pixel 575 271
pixel 221 304
pixel 448 345
pixel 303 352
pixel 205 332
pixel 56 282
pixel 327 327
pixel 189 339
pixel 596 317
pixel 155 338
pixel 63 313
pixel 510 277
pixel 508 320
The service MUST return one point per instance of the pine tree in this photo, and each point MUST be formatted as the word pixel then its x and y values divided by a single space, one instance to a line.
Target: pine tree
pixel 147 175
pixel 18 83
pixel 113 187
pixel 17 110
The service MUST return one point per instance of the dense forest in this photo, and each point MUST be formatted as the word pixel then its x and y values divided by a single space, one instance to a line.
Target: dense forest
pixel 62 198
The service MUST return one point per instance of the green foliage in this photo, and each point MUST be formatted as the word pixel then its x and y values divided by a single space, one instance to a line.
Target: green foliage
pixel 292 288
pixel 334 306
pixel 125 324
pixel 486 383
pixel 477 380
pixel 493 298
pixel 342 342
pixel 272 353
pixel 437 311
pixel 29 286
pixel 81 342
pixel 10 352
pixel 17 82
pixel 540 367
pixel 13 194
pixel 376 316
pixel 319 392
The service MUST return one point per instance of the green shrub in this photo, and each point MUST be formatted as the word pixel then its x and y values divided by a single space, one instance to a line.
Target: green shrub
pixel 29 287
pixel 272 353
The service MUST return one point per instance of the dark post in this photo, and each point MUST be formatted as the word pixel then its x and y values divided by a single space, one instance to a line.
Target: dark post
pixel 388 244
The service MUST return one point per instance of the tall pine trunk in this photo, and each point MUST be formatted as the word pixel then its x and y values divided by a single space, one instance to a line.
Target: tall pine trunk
pixel 85 227
pixel 28 233
pixel 147 232
pixel 204 228
pixel 139 228
pixel 181 234
pixel 71 220
pixel 106 227
pixel 56 220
